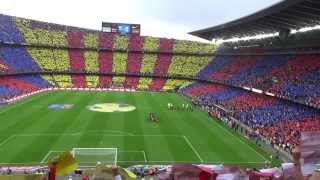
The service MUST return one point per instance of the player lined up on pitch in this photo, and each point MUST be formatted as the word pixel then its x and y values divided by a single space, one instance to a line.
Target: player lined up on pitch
pixel 153 118
pixel 182 107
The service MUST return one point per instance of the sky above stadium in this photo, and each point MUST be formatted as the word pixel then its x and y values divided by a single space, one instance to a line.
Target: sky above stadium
pixel 161 18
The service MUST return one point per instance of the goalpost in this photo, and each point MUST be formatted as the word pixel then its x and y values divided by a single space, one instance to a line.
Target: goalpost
pixel 92 156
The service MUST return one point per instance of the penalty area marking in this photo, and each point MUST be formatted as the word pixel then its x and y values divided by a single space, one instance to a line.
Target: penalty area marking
pixel 7 140
pixel 76 134
pixel 48 154
pixel 143 153
pixel 80 133
pixel 143 135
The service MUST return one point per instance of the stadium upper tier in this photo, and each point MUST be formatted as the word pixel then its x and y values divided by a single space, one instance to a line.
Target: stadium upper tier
pixel 294 77
pixel 27 32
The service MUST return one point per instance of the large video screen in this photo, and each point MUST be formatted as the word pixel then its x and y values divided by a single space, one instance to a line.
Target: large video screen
pixel 124 29
pixel 121 28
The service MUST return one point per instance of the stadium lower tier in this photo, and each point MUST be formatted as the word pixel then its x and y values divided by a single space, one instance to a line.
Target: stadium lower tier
pixel 13 86
pixel 280 121
pixel 17 85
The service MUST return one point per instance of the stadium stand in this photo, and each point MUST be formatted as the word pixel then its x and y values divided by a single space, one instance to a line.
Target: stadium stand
pixel 77 61
pixel 12 86
pixel 269 115
pixel 73 56
pixel 162 64
pixel 105 58
pixel 291 76
pixel 134 61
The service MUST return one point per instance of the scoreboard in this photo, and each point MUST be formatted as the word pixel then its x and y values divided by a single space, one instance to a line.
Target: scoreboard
pixel 121 28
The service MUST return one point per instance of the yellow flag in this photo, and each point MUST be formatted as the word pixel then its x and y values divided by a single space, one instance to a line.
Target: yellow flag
pixel 129 174
pixel 65 164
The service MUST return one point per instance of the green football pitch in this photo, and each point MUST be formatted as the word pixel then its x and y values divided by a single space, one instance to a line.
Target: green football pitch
pixel 32 133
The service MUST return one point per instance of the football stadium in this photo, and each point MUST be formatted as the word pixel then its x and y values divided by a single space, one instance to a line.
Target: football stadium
pixel 78 103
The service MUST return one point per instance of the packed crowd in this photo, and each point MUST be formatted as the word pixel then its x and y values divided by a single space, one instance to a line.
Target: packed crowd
pixel 13 86
pixel 293 77
pixel 279 121
pixel 131 55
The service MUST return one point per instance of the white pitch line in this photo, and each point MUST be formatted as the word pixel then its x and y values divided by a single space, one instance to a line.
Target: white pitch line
pixel 197 162
pixel 48 134
pixel 116 157
pixel 24 163
pixel 142 135
pixel 143 153
pixel 109 131
pixel 13 106
pixel 95 134
pixel 241 141
pixel 144 156
pixel 8 109
pixel 34 163
pixel 193 149
pixel 80 133
pixel 7 140
pixel 45 157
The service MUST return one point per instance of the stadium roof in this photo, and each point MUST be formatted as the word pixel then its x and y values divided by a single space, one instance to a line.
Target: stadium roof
pixel 285 15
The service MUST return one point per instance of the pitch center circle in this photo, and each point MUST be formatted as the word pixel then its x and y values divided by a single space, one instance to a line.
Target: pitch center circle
pixel 111 107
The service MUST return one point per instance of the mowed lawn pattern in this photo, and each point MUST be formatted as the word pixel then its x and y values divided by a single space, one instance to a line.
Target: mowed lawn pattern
pixel 31 133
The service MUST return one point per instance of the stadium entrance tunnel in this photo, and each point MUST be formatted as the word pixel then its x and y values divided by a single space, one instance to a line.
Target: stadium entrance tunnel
pixel 111 107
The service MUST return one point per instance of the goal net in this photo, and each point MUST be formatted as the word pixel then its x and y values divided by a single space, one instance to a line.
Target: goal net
pixel 92 156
